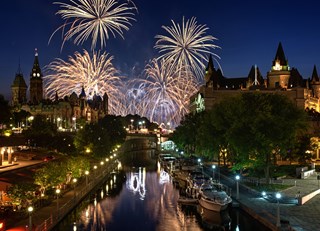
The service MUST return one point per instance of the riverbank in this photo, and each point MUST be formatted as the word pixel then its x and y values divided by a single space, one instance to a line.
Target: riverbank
pixel 47 217
pixel 293 217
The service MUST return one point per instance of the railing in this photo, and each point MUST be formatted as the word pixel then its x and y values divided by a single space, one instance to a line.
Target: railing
pixel 65 208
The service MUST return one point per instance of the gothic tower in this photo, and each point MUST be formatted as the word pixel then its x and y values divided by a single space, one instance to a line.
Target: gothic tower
pixel 36 88
pixel 18 89
pixel 278 76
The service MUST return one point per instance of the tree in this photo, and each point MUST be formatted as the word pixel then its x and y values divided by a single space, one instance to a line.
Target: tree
pixel 185 134
pixel 22 194
pixel 5 111
pixel 41 132
pixel 101 138
pixel 259 127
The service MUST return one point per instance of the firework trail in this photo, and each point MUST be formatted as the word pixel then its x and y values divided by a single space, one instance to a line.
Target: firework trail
pixel 96 74
pixel 187 46
pixel 166 97
pixel 97 19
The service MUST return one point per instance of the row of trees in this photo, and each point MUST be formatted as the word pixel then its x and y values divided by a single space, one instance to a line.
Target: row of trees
pixel 249 130
pixel 46 179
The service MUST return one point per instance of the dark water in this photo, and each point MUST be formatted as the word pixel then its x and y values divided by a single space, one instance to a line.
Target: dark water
pixel 139 200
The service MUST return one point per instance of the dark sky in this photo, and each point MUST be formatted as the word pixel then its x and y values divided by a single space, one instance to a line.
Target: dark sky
pixel 248 33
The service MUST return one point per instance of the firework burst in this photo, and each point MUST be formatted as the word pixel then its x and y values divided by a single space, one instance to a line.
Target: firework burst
pixel 97 19
pixel 95 74
pixel 166 97
pixel 187 46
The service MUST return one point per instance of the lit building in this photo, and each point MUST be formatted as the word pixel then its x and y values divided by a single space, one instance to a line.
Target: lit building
pixel 281 79
pixel 64 112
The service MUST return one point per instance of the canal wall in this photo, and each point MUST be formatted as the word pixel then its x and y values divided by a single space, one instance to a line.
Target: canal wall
pixel 46 218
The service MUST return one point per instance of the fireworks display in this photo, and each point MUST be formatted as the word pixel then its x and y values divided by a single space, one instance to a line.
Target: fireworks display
pixel 97 19
pixel 163 92
pixel 166 97
pixel 187 46
pixel 96 74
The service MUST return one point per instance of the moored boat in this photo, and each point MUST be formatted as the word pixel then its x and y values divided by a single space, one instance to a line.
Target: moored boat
pixel 213 197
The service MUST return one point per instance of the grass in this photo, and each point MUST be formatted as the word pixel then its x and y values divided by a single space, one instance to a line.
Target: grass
pixel 267 187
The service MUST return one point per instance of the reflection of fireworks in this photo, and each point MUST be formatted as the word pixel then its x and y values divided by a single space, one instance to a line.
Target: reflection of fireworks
pixel 187 46
pixel 96 74
pixel 166 96
pixel 94 18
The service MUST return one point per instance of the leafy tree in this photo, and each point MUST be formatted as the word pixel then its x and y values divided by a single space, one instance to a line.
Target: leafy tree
pixel 77 166
pixel 258 127
pixel 5 111
pixel 41 132
pixel 51 175
pixel 20 116
pixel 100 138
pixel 22 194
pixel 185 134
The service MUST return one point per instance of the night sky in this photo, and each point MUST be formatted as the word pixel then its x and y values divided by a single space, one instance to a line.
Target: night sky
pixel 248 33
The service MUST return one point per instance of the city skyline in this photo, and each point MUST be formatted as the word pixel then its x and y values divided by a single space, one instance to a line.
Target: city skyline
pixel 247 34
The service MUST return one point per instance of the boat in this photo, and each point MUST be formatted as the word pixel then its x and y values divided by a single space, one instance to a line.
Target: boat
pixel 213 197
pixel 187 200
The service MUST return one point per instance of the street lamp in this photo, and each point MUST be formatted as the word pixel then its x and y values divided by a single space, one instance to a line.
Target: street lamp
pixel 237 179
pixel 74 186
pixel 86 173
pixel 278 196
pixel 213 168
pixel 58 192
pixel 30 209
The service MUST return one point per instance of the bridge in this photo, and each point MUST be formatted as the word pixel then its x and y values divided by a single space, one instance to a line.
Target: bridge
pixel 143 141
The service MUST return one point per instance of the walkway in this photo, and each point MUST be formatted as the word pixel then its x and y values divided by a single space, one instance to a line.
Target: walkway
pixel 46 217
pixel 300 217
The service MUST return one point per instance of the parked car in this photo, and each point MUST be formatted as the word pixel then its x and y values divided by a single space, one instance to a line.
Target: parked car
pixel 48 158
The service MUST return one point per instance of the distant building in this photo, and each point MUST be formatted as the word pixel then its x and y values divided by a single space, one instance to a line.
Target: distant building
pixel 281 79
pixel 64 112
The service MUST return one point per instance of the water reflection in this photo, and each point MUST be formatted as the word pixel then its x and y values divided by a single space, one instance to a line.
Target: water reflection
pixel 136 182
pixel 141 199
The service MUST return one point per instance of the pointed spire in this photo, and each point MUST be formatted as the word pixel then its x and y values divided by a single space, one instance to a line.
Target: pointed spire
pixel 19 72
pixel 210 66
pixel 314 77
pixel 82 94
pixel 280 57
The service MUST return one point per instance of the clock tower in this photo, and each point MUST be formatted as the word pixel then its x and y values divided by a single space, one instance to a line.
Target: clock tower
pixel 36 88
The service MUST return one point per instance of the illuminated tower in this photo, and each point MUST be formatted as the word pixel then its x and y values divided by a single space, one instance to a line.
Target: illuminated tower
pixel 19 89
pixel 36 88
pixel 278 76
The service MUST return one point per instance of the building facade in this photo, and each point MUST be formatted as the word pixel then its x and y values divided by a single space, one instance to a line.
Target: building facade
pixel 65 112
pixel 280 79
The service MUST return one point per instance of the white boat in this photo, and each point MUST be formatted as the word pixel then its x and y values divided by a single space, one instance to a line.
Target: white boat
pixel 213 197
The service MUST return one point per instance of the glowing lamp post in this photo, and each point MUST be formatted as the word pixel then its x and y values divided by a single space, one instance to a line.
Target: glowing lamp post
pixel 30 210
pixel 74 186
pixel 237 180
pixel 213 168
pixel 58 192
pixel 86 173
pixel 278 196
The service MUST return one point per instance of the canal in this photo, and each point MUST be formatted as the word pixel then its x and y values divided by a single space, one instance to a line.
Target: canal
pixel 144 198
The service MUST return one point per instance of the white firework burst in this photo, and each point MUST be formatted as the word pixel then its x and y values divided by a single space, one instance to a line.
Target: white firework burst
pixel 97 19
pixel 187 45
pixel 95 74
pixel 166 97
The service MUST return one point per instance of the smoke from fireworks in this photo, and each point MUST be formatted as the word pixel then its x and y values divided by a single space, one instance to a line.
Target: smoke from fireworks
pixel 166 97
pixel 187 46
pixel 97 19
pixel 96 74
